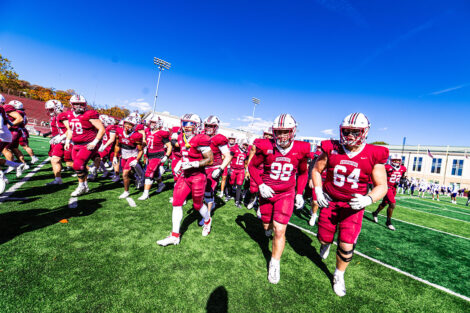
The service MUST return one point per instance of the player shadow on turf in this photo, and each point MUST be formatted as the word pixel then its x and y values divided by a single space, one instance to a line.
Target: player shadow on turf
pixel 188 220
pixel 302 245
pixel 15 223
pixel 371 220
pixel 254 228
pixel 42 190
pixel 303 214
pixel 218 301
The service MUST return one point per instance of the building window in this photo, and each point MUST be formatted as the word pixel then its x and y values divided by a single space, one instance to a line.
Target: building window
pixel 457 167
pixel 417 163
pixel 403 160
pixel 436 166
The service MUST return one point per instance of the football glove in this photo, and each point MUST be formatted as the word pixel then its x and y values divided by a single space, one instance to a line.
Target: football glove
pixel 102 148
pixel 178 167
pixel 164 159
pixel 321 199
pixel 133 163
pixel 299 202
pixel 359 201
pixel 115 161
pixel 266 191
pixel 216 173
pixel 53 140
pixel 188 165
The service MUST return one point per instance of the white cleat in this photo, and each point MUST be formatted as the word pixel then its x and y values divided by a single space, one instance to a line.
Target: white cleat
pixel 26 166
pixel 80 190
pixel 144 196
pixel 312 220
pixel 2 183
pixel 171 200
pixel 34 159
pixel 258 213
pixel 9 169
pixel 338 286
pixel 268 233
pixel 206 229
pixel 54 182
pixel 160 187
pixel 325 251
pixel 170 240
pixel 220 194
pixel 274 273
pixel 375 217
pixel 124 195
pixel 390 226
pixel 251 204
pixel 20 169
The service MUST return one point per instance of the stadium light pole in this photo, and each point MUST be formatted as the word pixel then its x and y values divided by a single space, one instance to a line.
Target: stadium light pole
pixel 255 101
pixel 162 65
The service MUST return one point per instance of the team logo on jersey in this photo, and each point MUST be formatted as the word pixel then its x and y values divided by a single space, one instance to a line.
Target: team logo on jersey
pixel 280 159
pixel 347 162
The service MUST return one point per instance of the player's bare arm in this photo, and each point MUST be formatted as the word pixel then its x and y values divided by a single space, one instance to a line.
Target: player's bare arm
pixel 379 178
pixel 208 158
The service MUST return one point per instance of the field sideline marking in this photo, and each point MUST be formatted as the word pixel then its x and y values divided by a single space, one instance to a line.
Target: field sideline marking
pixel 17 185
pixel 396 269
pixel 433 207
pixel 444 203
pixel 451 218
pixel 433 229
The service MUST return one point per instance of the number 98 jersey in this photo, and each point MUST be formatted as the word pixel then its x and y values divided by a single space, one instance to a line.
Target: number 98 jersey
pixel 349 174
pixel 280 169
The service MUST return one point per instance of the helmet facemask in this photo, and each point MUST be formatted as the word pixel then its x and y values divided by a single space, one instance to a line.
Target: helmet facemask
pixel 210 129
pixel 79 108
pixel 189 128
pixel 284 137
pixel 352 136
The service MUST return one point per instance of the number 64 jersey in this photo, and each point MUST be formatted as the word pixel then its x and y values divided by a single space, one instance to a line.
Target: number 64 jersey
pixel 280 167
pixel 348 173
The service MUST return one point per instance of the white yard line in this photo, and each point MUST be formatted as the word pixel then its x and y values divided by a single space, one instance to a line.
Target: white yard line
pixel 131 202
pixel 17 185
pixel 450 218
pixel 396 269
pixel 429 228
pixel 73 202
pixel 442 203
pixel 432 206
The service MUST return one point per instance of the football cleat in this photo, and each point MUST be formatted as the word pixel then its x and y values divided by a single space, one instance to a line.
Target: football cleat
pixel 115 178
pixel 268 233
pixel 54 182
pixel 9 169
pixel 375 217
pixel 258 213
pixel 124 195
pixel 338 286
pixel 80 190
pixel 20 169
pixel 105 174
pixel 171 200
pixel 26 166
pixel 390 226
pixel 160 187
pixel 274 273
pixel 325 251
pixel 34 159
pixel 251 204
pixel 312 220
pixel 206 229
pixel 144 196
pixel 220 194
pixel 238 205
pixel 170 240
pixel 201 222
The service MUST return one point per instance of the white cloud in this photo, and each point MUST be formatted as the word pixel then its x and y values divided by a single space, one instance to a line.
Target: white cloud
pixel 139 105
pixel 435 93
pixel 258 124
pixel 328 132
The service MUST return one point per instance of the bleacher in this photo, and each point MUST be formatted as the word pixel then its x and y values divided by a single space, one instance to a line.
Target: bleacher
pixel 38 120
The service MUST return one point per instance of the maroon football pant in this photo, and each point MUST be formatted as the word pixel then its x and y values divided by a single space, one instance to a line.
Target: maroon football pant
pixel 390 196
pixel 278 208
pixel 81 155
pixel 152 166
pixel 194 184
pixel 340 214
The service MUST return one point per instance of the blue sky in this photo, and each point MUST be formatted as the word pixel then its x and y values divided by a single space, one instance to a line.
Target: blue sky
pixel 404 64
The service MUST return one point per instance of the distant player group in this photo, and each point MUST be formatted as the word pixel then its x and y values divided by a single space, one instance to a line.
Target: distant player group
pixel 275 170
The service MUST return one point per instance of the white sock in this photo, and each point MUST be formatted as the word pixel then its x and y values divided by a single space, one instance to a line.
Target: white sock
pixel 146 192
pixel 176 218
pixel 12 164
pixel 204 213
pixel 275 262
pixel 148 181
pixel 339 273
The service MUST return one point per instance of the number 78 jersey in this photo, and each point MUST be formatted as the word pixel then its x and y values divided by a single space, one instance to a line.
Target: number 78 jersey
pixel 349 174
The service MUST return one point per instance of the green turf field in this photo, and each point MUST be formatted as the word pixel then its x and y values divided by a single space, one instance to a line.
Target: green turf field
pixel 105 258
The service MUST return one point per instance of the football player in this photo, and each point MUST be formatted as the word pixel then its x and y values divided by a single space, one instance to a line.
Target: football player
pixel 17 122
pixel 238 167
pixel 156 140
pixel 222 158
pixel 84 130
pixel 453 193
pixel 55 108
pixel 106 150
pixel 435 191
pixel 196 154
pixel 281 159
pixel 223 184
pixel 24 138
pixel 350 164
pixel 395 171
pixel 130 146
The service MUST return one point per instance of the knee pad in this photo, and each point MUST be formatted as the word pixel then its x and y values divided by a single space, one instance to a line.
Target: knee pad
pixel 347 258
pixel 148 181
pixel 81 173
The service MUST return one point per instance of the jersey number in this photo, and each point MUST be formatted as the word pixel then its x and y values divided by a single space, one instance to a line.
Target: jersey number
pixel 282 172
pixel 394 178
pixel 150 142
pixel 240 160
pixel 339 176
pixel 76 127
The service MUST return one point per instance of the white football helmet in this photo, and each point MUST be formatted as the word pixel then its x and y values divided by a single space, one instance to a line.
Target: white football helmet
pixel 231 140
pixel 395 160
pixel 2 99
pixel 156 122
pixel 78 103
pixel 191 124
pixel 16 104
pixel 104 119
pixel 284 129
pixel 111 120
pixel 137 117
pixel 211 125
pixel 243 144
pixel 131 120
pixel 53 107
pixel 268 133
pixel 354 129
